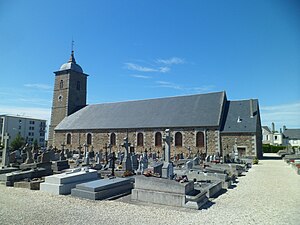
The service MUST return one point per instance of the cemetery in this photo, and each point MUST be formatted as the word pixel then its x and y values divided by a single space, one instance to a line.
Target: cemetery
pixel 147 176
pixel 153 179
pixel 292 158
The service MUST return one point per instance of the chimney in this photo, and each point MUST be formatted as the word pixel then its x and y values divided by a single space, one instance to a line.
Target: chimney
pixel 284 128
pixel 251 108
pixel 280 130
pixel 273 127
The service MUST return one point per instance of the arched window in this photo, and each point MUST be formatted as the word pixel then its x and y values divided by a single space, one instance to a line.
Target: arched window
pixel 158 139
pixel 61 84
pixel 178 139
pixel 200 139
pixel 78 85
pixel 68 139
pixel 89 139
pixel 113 139
pixel 140 139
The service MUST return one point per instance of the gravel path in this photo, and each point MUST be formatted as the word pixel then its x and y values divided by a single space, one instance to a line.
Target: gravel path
pixel 268 194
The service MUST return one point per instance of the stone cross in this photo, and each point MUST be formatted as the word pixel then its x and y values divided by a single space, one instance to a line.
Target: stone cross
pixel 126 164
pixel 189 149
pixel 106 154
pixel 126 144
pixel 79 151
pixel 62 154
pixel 167 139
pixel 5 153
pixel 109 146
pixel 113 161
pixel 167 169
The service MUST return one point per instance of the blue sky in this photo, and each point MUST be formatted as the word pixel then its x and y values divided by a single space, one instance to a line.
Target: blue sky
pixel 142 49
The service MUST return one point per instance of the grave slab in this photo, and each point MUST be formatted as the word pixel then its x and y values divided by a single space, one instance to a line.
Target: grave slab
pixel 61 184
pixel 168 192
pixel 103 189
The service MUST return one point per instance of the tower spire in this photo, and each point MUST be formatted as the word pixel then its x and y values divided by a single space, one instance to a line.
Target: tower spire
pixel 72 58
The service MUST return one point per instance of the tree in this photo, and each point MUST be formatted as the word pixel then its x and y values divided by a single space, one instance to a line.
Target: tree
pixel 17 143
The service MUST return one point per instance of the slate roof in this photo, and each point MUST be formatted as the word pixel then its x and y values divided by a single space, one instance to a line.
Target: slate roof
pixel 201 110
pixel 267 128
pixel 240 110
pixel 292 134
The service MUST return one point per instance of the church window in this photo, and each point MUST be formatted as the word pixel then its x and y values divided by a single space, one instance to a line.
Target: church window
pixel 113 139
pixel 200 139
pixel 89 139
pixel 178 139
pixel 78 86
pixel 140 139
pixel 158 139
pixel 68 139
pixel 61 84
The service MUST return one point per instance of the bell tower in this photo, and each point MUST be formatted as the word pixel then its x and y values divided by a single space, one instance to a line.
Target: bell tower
pixel 69 93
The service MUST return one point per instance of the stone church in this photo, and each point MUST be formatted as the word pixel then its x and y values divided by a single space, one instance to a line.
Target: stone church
pixel 205 123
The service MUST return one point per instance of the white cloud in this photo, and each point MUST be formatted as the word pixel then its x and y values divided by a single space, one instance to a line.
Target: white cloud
pixel 136 67
pixel 140 76
pixel 165 84
pixel 170 61
pixel 164 69
pixel 39 86
pixel 286 114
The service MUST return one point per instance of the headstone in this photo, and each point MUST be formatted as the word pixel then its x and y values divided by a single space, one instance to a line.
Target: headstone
pixel 189 165
pixel 5 152
pixel 86 160
pixel 134 161
pixel 29 158
pixel 79 152
pixel 62 153
pixel 126 163
pixel 113 163
pixel 167 169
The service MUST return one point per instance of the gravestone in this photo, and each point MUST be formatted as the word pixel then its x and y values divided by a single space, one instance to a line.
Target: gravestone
pixel 86 159
pixel 113 163
pixel 189 165
pixel 167 169
pixel 29 158
pixel 62 153
pixel 5 151
pixel 196 161
pixel 126 163
pixel 134 161
pixel 79 152
pixel 44 157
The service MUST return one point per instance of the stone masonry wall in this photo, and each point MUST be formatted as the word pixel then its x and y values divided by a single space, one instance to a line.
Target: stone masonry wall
pixel 100 138
pixel 247 141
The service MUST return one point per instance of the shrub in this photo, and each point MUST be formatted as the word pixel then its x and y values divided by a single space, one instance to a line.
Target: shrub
pixel 267 148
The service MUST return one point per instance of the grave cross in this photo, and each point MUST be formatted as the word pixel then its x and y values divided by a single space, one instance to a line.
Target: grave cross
pixel 79 151
pixel 168 139
pixel 106 154
pixel 5 153
pixel 126 144
pixel 109 146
